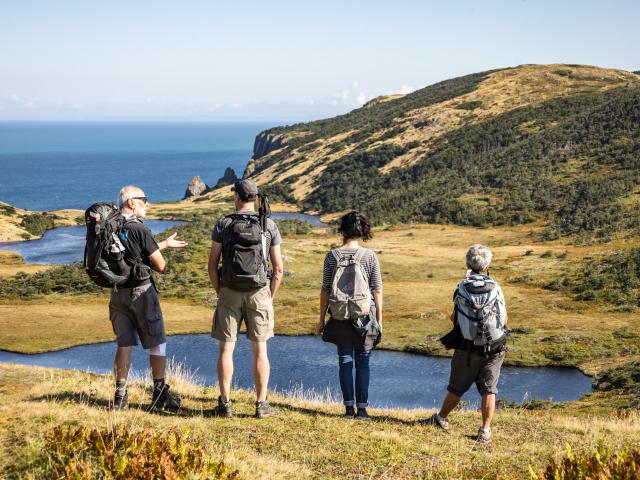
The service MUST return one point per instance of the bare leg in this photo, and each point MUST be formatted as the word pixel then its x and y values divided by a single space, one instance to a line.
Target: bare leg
pixel 158 366
pixel 261 369
pixel 448 404
pixel 121 363
pixel 487 406
pixel 225 369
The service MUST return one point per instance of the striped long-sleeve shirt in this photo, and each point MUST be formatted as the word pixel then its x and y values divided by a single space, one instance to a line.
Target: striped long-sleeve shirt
pixel 370 266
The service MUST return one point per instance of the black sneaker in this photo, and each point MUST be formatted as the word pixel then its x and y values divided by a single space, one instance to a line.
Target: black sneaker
pixel 263 410
pixel 162 399
pixel 362 414
pixel 223 409
pixel 349 411
pixel 121 400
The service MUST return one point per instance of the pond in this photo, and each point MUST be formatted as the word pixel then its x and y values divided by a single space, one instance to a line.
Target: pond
pixel 313 220
pixel 66 244
pixel 305 363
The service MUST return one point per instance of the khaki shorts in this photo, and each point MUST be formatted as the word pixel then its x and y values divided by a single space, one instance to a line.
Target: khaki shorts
pixel 254 307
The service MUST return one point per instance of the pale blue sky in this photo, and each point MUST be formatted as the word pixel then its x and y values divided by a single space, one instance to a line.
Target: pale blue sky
pixel 279 60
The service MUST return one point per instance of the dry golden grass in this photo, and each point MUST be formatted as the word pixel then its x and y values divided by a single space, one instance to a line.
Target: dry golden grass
pixel 57 322
pixel 309 439
pixel 11 231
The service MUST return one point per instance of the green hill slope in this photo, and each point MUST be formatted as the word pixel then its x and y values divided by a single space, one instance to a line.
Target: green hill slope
pixel 553 142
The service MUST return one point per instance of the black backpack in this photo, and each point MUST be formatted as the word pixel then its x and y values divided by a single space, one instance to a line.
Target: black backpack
pixel 244 256
pixel 103 251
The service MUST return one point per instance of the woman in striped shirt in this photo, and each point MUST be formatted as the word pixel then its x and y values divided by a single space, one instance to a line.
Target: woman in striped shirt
pixel 354 339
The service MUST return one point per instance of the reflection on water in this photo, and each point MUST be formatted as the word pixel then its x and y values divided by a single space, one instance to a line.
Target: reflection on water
pixel 66 244
pixel 397 379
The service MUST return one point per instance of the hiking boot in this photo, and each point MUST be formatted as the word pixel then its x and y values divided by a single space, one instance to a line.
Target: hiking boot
pixel 484 435
pixel 121 399
pixel 162 399
pixel 437 421
pixel 362 414
pixel 223 409
pixel 263 410
pixel 349 411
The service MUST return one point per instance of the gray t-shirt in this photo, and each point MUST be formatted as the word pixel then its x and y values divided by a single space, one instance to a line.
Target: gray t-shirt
pixel 272 233
pixel 369 263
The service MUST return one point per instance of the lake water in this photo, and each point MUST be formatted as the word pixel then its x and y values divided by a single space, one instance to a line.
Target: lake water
pixel 66 244
pixel 47 166
pixel 397 379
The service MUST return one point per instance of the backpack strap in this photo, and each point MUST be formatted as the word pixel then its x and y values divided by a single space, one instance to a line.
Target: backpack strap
pixel 359 254
pixel 337 254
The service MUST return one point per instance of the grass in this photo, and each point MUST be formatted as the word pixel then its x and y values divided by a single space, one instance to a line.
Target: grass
pixel 421 266
pixel 35 401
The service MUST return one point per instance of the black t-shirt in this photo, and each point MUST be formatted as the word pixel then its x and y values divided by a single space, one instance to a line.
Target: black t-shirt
pixel 139 243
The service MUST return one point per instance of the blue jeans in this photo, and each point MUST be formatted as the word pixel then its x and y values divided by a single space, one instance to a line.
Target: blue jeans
pixel 346 356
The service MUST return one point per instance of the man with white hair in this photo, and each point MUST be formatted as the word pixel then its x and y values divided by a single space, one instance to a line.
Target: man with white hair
pixel 480 316
pixel 134 309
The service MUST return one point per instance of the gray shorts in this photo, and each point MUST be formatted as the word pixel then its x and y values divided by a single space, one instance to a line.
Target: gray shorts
pixel 135 314
pixel 483 371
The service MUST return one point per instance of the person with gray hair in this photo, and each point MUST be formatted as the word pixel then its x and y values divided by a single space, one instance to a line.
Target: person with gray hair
pixel 479 335
pixel 134 309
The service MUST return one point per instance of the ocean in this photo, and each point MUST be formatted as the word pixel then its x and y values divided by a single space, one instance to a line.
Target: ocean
pixel 49 166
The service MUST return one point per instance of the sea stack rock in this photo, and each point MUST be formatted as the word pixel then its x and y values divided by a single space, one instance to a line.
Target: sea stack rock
pixel 195 188
pixel 229 178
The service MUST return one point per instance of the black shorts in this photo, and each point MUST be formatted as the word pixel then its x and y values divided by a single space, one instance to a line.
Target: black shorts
pixel 135 314
pixel 482 370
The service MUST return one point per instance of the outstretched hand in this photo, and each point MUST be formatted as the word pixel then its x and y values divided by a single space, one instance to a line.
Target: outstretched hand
pixel 171 242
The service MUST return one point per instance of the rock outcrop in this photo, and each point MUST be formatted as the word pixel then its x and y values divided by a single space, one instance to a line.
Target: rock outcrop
pixel 229 178
pixel 195 188
pixel 266 143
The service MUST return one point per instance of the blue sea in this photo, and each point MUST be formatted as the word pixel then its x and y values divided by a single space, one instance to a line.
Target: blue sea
pixel 48 166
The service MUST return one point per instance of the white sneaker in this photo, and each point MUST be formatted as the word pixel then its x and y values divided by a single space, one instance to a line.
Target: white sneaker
pixel 484 435
pixel 437 421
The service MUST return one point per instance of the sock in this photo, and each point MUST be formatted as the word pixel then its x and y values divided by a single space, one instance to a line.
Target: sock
pixel 121 386
pixel 158 383
pixel 442 419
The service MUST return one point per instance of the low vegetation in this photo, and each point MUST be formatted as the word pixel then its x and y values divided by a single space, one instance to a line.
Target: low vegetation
pixel 56 420
pixel 601 464
pixel 37 223
pixel 116 453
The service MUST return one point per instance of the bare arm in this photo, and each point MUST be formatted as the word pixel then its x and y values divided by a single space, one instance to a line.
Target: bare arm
pixel 278 269
pixel 324 305
pixel 212 267
pixel 158 263
pixel 377 300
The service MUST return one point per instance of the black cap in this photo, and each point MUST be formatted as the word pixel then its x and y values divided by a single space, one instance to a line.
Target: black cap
pixel 245 188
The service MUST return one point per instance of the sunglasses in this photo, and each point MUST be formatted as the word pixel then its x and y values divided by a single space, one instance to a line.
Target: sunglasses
pixel 144 199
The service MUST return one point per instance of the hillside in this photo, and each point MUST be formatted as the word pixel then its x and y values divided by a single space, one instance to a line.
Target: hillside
pixel 559 143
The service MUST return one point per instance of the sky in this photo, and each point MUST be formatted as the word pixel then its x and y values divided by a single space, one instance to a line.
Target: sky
pixel 188 60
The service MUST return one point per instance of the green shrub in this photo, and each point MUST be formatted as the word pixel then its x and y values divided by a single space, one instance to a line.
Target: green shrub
pixel 293 227
pixel 624 377
pixel 278 192
pixel 7 210
pixel 602 464
pixel 117 453
pixel 38 223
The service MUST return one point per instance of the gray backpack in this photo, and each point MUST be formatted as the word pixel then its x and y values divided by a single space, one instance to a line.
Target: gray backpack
pixel 477 311
pixel 349 297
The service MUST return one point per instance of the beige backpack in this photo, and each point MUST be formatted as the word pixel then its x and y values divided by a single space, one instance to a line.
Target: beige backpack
pixel 349 297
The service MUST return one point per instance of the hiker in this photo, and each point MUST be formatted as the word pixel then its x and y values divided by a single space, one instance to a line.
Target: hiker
pixel 479 319
pixel 352 292
pixel 134 309
pixel 245 240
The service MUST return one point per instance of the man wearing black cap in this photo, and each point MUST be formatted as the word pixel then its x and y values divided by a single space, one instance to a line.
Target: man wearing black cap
pixel 244 290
